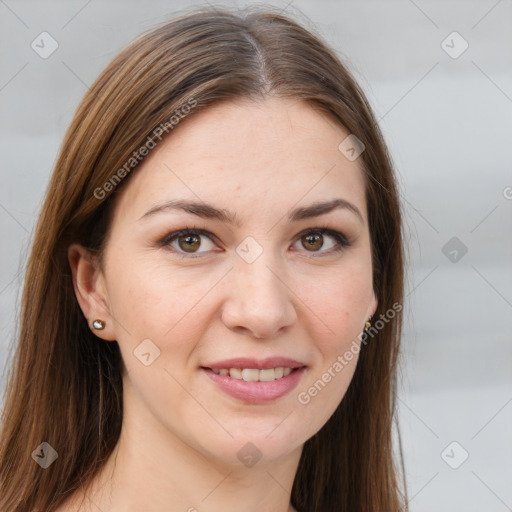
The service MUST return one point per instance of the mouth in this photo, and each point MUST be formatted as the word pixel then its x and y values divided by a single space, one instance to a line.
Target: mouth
pixel 255 374
pixel 253 385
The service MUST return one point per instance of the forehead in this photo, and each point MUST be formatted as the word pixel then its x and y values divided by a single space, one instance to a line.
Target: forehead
pixel 269 155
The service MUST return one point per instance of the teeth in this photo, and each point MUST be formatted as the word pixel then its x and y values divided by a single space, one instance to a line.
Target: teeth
pixel 253 374
pixel 236 373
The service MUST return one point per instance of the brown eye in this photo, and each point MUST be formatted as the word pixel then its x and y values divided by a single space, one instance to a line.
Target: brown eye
pixel 323 241
pixel 313 241
pixel 189 243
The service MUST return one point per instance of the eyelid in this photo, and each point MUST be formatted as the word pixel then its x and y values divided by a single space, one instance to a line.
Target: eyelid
pixel 342 241
pixel 167 239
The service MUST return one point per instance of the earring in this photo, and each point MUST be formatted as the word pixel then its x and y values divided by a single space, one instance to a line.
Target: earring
pixel 367 325
pixel 98 325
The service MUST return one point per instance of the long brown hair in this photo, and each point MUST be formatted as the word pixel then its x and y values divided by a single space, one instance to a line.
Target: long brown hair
pixel 65 388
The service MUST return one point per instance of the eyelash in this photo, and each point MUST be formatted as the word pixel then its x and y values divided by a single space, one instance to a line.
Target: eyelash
pixel 342 242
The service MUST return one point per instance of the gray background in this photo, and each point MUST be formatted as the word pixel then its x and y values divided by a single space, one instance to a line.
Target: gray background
pixel 448 123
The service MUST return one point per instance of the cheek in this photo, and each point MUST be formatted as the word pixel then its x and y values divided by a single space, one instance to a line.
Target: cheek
pixel 339 301
pixel 337 311
pixel 152 301
pixel 151 298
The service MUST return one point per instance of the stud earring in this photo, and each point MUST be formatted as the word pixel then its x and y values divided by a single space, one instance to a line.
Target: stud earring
pixel 367 325
pixel 98 325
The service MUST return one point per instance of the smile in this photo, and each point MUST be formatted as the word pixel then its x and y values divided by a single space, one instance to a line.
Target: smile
pixel 253 386
pixel 253 374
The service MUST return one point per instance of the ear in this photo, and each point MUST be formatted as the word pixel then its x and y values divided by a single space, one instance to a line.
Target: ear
pixel 372 307
pixel 90 289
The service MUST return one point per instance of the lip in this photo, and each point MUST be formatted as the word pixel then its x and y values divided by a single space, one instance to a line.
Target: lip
pixel 258 364
pixel 255 392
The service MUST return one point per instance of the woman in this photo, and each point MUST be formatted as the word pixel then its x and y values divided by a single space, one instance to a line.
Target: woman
pixel 212 306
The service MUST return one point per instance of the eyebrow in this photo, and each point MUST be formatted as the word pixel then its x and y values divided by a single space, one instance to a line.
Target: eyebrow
pixel 208 211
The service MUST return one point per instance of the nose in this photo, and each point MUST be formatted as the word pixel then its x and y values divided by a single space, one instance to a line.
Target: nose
pixel 260 302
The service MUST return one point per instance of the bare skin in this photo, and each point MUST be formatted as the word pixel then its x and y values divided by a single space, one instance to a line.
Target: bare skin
pixel 203 302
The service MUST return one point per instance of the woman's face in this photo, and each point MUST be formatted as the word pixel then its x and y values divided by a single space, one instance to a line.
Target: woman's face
pixel 255 279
